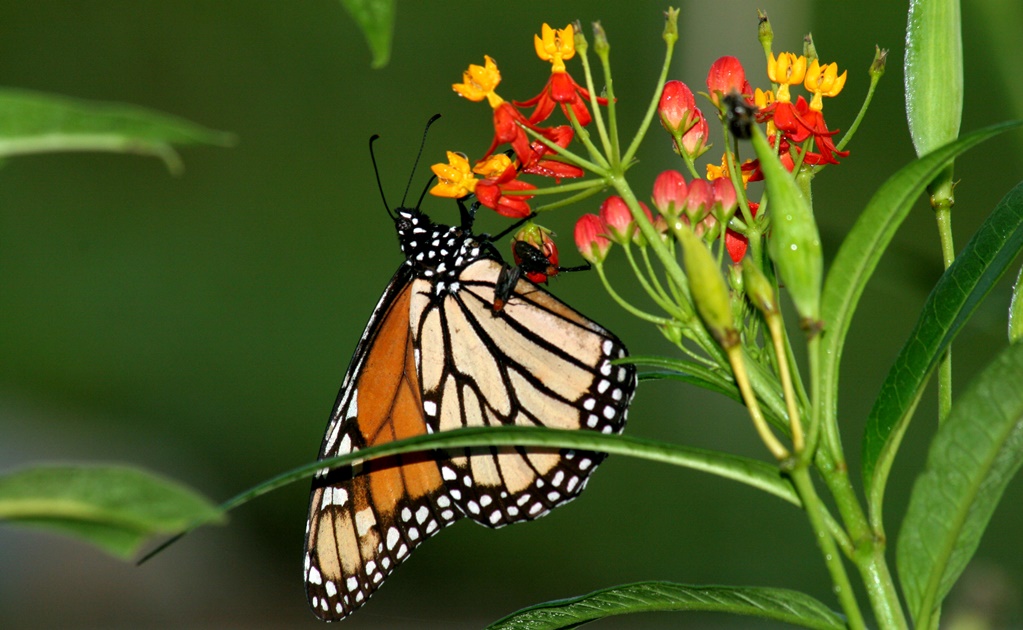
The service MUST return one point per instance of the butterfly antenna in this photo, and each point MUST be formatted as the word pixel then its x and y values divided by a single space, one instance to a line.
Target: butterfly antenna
pixel 426 189
pixel 422 146
pixel 376 171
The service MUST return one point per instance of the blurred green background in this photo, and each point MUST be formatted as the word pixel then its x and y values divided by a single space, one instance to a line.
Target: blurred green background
pixel 200 325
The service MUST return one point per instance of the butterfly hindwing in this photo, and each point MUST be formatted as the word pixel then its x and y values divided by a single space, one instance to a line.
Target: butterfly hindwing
pixel 535 362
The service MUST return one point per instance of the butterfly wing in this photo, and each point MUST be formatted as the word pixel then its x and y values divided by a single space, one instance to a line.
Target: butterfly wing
pixel 364 522
pixel 534 362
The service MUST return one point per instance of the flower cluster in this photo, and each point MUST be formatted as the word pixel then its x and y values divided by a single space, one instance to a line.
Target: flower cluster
pixel 714 208
pixel 499 186
pixel 797 130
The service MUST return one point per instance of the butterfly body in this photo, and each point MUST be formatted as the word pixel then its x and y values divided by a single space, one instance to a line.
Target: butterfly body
pixel 438 355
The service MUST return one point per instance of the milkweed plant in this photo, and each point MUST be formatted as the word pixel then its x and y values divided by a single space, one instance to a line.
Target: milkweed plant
pixel 725 250
pixel 718 263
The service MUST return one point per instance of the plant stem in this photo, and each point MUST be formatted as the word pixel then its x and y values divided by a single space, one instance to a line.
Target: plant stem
pixel 829 550
pixel 942 200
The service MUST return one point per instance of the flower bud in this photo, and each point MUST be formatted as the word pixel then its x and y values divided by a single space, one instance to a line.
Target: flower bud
pixel 617 219
pixel 590 239
pixel 676 107
pixel 670 192
pixel 726 76
pixel 765 34
pixel 877 66
pixel 724 197
pixel 694 141
pixel 699 201
pixel 670 33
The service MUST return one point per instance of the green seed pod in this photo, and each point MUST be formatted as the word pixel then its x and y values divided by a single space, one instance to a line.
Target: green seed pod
pixel 795 243
pixel 707 286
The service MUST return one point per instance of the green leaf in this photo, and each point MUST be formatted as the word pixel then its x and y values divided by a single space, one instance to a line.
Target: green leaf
pixel 862 248
pixel 768 603
pixel 934 73
pixel 113 507
pixel 955 297
pixel 973 457
pixel 32 122
pixel 751 472
pixel 376 20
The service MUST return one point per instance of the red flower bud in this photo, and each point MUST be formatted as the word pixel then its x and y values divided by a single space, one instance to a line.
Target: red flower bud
pixel 670 191
pixel 694 142
pixel 724 194
pixel 726 76
pixel 617 218
pixel 676 107
pixel 590 239
pixel 699 201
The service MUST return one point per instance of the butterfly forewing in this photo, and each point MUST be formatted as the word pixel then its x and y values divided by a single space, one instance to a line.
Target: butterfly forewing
pixel 535 362
pixel 366 521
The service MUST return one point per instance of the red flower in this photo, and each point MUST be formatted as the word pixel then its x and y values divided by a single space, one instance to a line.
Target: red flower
pixel 799 123
pixel 508 123
pixel 561 136
pixel 736 243
pixel 561 89
pixel 491 193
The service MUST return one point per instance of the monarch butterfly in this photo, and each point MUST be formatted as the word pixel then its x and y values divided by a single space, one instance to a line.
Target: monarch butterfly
pixel 455 341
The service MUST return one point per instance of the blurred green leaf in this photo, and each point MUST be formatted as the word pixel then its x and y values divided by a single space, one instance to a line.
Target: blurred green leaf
pixel 868 239
pixel 974 455
pixel 956 296
pixel 32 122
pixel 376 20
pixel 768 603
pixel 113 507
pixel 934 73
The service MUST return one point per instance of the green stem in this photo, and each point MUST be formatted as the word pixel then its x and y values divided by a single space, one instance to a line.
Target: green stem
pixel 653 319
pixel 942 200
pixel 829 550
pixel 657 296
pixel 652 109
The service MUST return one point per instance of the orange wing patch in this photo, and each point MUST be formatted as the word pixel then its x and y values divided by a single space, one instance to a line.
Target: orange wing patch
pixel 362 526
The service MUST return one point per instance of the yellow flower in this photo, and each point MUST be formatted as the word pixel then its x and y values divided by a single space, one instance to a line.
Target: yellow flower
pixel 823 81
pixel 717 172
pixel 785 70
pixel 555 45
pixel 763 100
pixel 493 166
pixel 454 179
pixel 479 82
